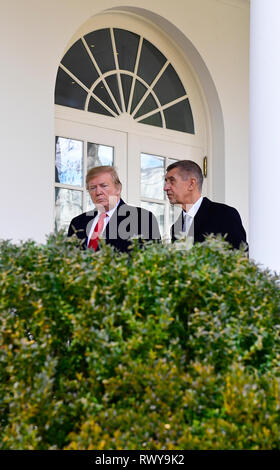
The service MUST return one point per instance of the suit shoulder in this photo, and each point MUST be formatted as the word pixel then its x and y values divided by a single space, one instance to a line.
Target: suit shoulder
pixel 131 209
pixel 83 216
pixel 222 208
pixel 80 221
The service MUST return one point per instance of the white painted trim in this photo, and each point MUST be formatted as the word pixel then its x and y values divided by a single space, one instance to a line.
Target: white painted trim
pixel 139 137
pixel 150 88
pixel 100 75
pixel 165 106
pixel 135 74
pixel 117 68
pixel 107 122
pixel 88 91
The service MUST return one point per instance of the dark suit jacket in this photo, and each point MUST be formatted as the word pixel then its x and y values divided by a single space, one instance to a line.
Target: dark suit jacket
pixel 216 218
pixel 126 222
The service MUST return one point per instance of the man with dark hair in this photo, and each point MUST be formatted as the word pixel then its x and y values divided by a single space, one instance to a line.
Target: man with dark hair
pixel 200 216
pixel 113 219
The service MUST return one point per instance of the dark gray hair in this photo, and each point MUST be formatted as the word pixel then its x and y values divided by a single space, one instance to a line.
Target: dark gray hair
pixel 188 168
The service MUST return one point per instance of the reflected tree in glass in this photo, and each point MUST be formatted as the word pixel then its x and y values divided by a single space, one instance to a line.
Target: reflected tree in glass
pixel 98 155
pixel 69 161
pixel 68 204
pixel 89 204
pixel 158 211
pixel 152 176
pixel 174 212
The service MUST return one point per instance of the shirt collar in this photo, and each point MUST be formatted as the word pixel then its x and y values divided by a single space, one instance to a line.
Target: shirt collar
pixel 193 210
pixel 111 211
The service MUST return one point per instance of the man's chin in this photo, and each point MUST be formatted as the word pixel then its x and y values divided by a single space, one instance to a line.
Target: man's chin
pixel 172 200
pixel 101 207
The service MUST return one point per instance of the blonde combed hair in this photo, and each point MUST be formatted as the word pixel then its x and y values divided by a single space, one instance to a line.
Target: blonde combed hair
pixel 99 170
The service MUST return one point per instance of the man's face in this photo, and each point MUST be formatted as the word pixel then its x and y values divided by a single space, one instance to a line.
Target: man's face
pixel 176 188
pixel 103 191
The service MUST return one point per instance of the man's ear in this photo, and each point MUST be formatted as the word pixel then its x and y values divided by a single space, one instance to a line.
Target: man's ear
pixel 192 183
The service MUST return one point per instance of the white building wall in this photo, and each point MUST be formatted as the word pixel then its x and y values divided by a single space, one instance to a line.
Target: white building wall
pixel 34 37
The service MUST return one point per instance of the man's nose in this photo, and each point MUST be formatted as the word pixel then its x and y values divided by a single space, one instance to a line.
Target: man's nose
pixel 165 187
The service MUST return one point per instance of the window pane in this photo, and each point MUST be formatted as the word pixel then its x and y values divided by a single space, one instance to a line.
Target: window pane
pixel 99 155
pixel 80 64
pixel 69 161
pixel 68 204
pixel 151 62
pixel 114 87
pixel 179 117
pixel 152 176
pixel 126 85
pixel 89 203
pixel 174 212
pixel 154 120
pixel 103 94
pixel 139 91
pixel 95 107
pixel 100 45
pixel 169 87
pixel 127 46
pixel 148 105
pixel 157 210
pixel 68 92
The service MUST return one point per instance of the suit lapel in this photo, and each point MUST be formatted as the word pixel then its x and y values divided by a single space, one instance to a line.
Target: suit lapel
pixel 200 218
pixel 177 227
pixel 90 216
pixel 196 228
pixel 111 231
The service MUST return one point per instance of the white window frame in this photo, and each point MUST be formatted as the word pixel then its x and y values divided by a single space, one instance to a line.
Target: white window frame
pixel 137 137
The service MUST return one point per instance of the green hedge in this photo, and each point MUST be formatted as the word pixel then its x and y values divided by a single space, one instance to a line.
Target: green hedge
pixel 161 349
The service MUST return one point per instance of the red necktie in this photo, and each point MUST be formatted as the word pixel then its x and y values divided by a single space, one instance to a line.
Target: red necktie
pixel 93 243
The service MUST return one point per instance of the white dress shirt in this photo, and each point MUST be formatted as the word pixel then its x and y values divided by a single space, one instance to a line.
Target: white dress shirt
pixel 189 216
pixel 106 221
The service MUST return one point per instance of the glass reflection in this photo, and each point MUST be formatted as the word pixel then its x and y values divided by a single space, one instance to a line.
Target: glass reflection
pixel 174 212
pixel 89 204
pixel 68 204
pixel 151 62
pixel 172 160
pixel 152 176
pixel 79 63
pixel 98 155
pixel 154 120
pixel 68 92
pixel 158 211
pixel 69 161
pixel 169 87
pixel 179 117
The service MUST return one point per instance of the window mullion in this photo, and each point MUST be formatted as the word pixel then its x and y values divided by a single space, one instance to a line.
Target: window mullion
pixel 135 74
pixel 150 87
pixel 101 75
pixel 117 69
pixel 74 77
pixel 167 105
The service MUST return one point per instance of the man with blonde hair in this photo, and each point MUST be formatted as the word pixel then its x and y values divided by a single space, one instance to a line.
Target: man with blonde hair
pixel 112 219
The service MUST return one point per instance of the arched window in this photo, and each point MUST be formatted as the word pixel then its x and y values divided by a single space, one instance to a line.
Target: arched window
pixel 113 71
pixel 127 99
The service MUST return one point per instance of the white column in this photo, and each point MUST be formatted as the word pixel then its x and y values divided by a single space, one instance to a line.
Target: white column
pixel 265 133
